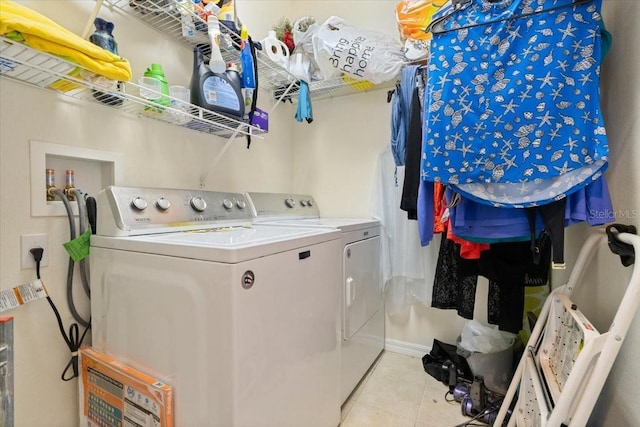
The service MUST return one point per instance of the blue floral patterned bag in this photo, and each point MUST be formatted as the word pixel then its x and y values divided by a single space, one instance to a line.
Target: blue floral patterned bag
pixel 513 106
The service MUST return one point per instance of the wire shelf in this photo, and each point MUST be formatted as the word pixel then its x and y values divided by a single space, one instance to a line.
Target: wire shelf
pixel 174 20
pixel 332 88
pixel 26 65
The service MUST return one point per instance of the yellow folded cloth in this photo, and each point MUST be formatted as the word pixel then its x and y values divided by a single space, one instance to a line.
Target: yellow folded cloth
pixel 41 33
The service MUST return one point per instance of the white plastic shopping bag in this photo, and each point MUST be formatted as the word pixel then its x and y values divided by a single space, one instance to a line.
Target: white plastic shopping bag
pixel 340 48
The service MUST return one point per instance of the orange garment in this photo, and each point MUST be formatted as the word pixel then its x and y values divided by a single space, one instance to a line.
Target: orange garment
pixel 439 206
pixel 468 250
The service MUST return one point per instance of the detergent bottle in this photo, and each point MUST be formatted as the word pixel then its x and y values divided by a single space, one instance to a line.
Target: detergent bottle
pixel 219 92
pixel 155 72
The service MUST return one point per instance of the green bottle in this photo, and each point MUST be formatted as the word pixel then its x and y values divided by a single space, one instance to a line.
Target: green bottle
pixel 155 72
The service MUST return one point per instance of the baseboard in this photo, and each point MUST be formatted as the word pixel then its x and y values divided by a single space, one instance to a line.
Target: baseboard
pixel 407 348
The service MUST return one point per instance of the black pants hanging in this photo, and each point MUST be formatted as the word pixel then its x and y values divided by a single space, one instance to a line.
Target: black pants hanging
pixel 508 266
pixel 409 201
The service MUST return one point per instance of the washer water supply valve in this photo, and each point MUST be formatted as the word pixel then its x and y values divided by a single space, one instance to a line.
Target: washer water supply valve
pixel 51 185
pixel 69 188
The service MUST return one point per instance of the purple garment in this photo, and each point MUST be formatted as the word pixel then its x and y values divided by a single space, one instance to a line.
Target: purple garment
pixel 481 223
pixel 477 222
pixel 591 204
pixel 425 212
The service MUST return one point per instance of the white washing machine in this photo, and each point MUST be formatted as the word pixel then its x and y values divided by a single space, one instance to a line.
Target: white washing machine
pixel 360 270
pixel 243 321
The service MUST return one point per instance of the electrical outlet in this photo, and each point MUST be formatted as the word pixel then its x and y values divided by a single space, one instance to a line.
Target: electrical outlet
pixel 29 241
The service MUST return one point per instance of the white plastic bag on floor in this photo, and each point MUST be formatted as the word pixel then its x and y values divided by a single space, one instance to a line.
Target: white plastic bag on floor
pixel 340 48
pixel 477 337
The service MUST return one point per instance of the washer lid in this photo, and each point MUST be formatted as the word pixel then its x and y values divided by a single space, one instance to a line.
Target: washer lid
pixel 228 245
pixel 344 224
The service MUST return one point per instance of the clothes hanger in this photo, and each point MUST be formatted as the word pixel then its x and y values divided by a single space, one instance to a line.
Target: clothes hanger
pixel 422 67
pixel 390 95
pixel 437 25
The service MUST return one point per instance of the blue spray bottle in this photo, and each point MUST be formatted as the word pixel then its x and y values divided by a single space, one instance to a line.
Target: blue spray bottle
pixel 248 74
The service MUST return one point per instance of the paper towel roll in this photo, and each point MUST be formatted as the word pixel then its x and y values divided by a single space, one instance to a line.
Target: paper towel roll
pixel 276 50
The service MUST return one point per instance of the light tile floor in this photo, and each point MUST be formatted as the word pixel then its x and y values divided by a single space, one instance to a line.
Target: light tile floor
pixel 397 392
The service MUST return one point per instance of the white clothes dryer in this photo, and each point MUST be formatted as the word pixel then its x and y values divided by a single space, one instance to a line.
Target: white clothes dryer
pixel 243 321
pixel 361 276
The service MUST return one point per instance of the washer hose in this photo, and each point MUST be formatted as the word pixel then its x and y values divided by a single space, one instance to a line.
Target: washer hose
pixel 72 232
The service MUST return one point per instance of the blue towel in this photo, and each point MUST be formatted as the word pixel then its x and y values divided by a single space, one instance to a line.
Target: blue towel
pixel 304 103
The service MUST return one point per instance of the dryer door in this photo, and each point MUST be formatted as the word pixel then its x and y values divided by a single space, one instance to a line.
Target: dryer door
pixel 362 287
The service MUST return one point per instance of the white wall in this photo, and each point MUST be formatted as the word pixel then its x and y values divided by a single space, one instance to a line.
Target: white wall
pixel 347 132
pixel 154 153
pixel 618 405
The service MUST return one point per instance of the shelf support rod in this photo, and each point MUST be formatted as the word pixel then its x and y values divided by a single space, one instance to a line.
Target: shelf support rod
pixel 92 17
pixel 282 97
pixel 233 136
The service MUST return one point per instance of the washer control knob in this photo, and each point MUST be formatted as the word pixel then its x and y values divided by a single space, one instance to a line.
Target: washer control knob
pixel 290 203
pixel 226 203
pixel 303 203
pixel 139 204
pixel 310 202
pixel 198 204
pixel 241 204
pixel 163 204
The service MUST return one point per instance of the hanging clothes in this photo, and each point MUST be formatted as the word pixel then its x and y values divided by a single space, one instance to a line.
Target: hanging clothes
pixel 425 211
pixel 418 195
pixel 439 208
pixel 511 263
pixel 552 216
pixel 513 116
pixel 468 250
pixel 512 121
pixel 409 202
pixel 480 223
pixel 408 269
pixel 400 108
pixel 591 204
pixel 454 287
pixel 509 268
